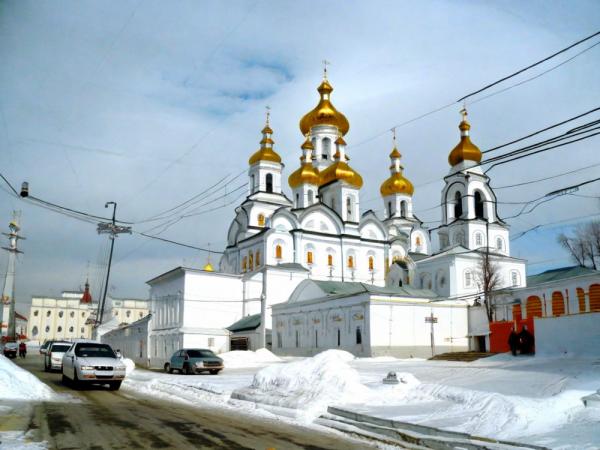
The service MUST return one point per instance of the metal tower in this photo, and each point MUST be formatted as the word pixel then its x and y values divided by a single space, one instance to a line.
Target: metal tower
pixel 8 293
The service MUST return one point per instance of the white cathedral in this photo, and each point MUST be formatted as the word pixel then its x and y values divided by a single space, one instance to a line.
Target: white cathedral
pixel 313 272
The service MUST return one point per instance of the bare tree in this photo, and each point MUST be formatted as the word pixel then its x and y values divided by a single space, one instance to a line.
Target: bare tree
pixel 489 280
pixel 584 245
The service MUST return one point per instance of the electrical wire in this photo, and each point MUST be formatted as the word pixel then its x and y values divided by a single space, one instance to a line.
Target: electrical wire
pixel 545 178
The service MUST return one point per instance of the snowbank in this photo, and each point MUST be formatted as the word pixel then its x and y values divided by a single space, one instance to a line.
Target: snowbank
pixel 309 385
pixel 239 358
pixel 129 365
pixel 19 384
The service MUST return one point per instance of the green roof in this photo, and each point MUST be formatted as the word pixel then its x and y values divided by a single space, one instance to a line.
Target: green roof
pixel 346 288
pixel 247 323
pixel 559 274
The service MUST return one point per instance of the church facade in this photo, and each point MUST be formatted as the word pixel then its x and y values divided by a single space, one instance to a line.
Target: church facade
pixel 320 233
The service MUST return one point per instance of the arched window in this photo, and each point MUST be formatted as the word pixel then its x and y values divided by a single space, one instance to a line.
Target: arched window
pixel 418 241
pixel 35 313
pixel 514 278
pixel 499 244
pixel 349 208
pixel 59 329
pixel 316 338
pixel 330 260
pixel 516 312
pixel 558 304
pixel 389 209
pixel 297 339
pixel 34 331
pixel 252 183
pixel 257 258
pixel 269 182
pixel 82 330
pixel 71 329
pixel 250 261
pixel 358 336
pixel 595 297
pixel 297 200
pixel 244 264
pixel 72 314
pixel 403 209
pixel 581 299
pixel 48 313
pixel 311 197
pixel 468 278
pixel 278 252
pixel 326 150
pixel 533 307
pixel 458 210
pixel 478 239
pixel 309 257
pixel 351 262
pixel 478 205
pixel 47 329
pixel 261 220
pixel 371 263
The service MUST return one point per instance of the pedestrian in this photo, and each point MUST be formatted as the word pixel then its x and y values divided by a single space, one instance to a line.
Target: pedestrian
pixel 118 353
pixel 22 349
pixel 513 341
pixel 526 341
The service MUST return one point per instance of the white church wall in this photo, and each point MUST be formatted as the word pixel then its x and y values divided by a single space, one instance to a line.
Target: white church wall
pixel 132 340
pixel 574 335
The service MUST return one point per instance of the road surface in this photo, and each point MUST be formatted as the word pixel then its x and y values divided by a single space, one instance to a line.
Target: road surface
pixel 98 419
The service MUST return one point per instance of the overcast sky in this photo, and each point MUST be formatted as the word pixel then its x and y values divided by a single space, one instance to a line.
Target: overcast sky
pixel 147 103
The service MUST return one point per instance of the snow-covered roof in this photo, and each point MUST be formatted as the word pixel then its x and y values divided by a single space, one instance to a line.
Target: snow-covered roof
pixel 560 274
pixel 251 322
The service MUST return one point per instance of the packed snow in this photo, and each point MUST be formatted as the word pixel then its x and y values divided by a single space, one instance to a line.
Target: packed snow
pixel 129 365
pixel 19 384
pixel 535 400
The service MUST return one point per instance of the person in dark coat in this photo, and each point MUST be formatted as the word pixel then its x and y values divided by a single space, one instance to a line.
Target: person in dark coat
pixel 22 349
pixel 526 341
pixel 513 341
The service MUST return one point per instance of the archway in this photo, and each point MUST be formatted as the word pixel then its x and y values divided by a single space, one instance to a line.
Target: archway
pixel 581 300
pixel 479 205
pixel 533 307
pixel 458 210
pixel 558 304
pixel 595 297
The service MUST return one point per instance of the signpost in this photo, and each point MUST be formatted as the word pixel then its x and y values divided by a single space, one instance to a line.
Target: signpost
pixel 431 319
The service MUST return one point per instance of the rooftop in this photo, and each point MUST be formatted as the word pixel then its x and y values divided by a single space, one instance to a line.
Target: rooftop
pixel 353 288
pixel 560 274
pixel 251 322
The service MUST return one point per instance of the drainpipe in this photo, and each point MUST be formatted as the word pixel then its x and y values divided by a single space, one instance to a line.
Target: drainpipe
pixel 263 311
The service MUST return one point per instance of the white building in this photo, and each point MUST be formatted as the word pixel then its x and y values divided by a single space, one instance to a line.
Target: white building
pixel 274 243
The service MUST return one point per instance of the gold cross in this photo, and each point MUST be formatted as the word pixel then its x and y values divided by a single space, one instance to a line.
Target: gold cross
pixel 268 108
pixel 325 64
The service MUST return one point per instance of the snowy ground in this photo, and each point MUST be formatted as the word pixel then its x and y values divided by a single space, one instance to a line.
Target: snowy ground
pixel 534 400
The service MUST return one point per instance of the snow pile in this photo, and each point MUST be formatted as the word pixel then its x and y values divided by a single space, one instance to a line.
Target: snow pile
pixel 309 385
pixel 240 358
pixel 19 384
pixel 129 365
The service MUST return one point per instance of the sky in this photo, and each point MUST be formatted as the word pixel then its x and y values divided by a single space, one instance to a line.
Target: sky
pixel 148 103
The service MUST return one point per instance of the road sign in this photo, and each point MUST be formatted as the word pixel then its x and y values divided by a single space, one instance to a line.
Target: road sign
pixel 431 319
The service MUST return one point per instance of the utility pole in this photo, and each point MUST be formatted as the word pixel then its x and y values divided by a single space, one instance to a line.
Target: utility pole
pixel 8 293
pixel 112 229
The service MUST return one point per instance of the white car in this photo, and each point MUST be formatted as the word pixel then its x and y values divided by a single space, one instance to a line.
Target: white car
pixel 92 363
pixel 54 354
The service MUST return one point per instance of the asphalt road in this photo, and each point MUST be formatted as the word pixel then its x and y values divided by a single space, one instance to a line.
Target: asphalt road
pixel 98 419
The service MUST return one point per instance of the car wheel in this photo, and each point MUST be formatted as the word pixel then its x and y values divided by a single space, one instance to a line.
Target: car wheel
pixel 46 368
pixel 188 370
pixel 214 372
pixel 76 382
pixel 114 385
pixel 168 368
pixel 65 380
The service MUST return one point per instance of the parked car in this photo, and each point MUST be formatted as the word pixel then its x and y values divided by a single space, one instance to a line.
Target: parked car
pixel 54 355
pixel 194 360
pixel 45 345
pixel 92 363
pixel 10 349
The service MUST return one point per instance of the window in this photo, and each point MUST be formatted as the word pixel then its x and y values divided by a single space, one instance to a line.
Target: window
pixel 418 241
pixel 468 278
pixel 257 258
pixel 128 314
pixel 514 278
pixel 211 341
pixel 269 182
pixel 316 339
pixel 252 183
pixel 558 304
pixel 371 263
pixel 59 329
pixel 71 329
pixel 72 314
pixel 478 205
pixel 48 313
pixel 141 314
pixel 34 331
pixel 349 208
pixel 278 252
pixel 351 262
pixel 244 263
pixel 403 209
pixel 297 339
pixel 326 148
pixel 330 260
pixel 458 210
pixel 499 244
pixel 297 200
pixel 389 209
pixel 478 239
pixel 261 220
pixel 251 261
pixel 35 313
pixel 311 197
pixel 581 299
pixel 358 336
pixel 47 329
pixel 339 338
pixel 82 314
pixel 309 257
pixel 60 314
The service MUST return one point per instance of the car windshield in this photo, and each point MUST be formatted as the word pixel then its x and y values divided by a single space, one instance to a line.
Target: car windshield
pixel 94 351
pixel 199 353
pixel 60 348
pixel 11 345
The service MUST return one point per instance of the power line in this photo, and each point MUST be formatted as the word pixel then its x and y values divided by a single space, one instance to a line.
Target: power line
pixel 529 67
pixel 520 235
pixel 545 178
pixel 181 244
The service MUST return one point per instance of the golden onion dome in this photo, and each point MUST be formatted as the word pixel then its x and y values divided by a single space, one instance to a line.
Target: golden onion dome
pixel 265 152
pixel 324 113
pixel 465 150
pixel 397 183
pixel 341 171
pixel 208 267
pixel 395 153
pixel 305 174
pixel 307 145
